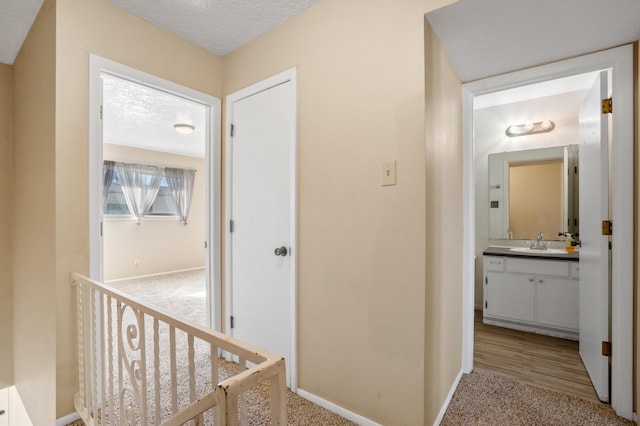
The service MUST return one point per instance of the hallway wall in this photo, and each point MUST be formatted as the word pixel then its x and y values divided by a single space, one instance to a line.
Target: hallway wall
pixel 443 298
pixel 34 213
pixel 6 228
pixel 361 282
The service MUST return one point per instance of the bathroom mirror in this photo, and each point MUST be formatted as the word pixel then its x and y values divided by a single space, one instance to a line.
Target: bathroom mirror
pixel 533 191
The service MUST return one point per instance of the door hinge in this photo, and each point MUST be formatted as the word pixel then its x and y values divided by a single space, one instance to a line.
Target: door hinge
pixel 101 229
pixel 100 112
pixel 607 227
pixel 231 322
pixel 486 280
pixel 606 348
pixel 206 245
pixel 233 130
pixel 231 227
pixel 486 304
pixel 607 106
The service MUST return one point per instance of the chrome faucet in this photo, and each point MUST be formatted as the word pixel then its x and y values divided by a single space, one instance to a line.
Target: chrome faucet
pixel 539 244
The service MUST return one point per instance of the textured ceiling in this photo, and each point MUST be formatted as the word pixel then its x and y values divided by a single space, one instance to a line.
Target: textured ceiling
pixel 142 117
pixel 220 26
pixel 490 37
pixel 16 17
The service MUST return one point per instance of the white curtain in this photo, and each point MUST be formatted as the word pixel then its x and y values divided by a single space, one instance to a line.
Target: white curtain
pixel 140 184
pixel 107 177
pixel 180 182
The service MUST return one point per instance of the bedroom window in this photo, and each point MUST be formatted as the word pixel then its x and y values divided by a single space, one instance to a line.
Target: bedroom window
pixel 141 190
pixel 116 204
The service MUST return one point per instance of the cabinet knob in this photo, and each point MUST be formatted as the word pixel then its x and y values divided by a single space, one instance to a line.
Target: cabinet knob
pixel 530 280
pixel 540 281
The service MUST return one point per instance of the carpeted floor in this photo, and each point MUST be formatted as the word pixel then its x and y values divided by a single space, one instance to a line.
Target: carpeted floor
pixel 484 398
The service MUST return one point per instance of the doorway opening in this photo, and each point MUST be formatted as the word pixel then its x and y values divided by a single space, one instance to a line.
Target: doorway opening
pixel 491 103
pixel 154 168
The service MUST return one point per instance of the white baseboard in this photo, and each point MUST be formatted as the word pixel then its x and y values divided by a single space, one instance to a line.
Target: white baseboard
pixel 69 418
pixel 349 415
pixel 447 401
pixel 159 274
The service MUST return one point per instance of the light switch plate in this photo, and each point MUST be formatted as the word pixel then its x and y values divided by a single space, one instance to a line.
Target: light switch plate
pixel 388 173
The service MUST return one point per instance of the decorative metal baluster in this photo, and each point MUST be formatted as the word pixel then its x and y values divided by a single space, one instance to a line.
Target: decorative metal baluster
pixel 156 364
pixel 174 375
pixel 87 350
pixel 94 352
pixel 103 387
pixel 110 358
pixel 81 360
pixel 120 347
pixel 142 372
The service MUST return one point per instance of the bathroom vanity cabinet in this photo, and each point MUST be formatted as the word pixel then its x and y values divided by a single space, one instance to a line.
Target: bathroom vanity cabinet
pixel 532 294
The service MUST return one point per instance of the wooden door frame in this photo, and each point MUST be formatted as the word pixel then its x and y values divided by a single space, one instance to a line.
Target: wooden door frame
pixel 289 75
pixel 620 61
pixel 99 65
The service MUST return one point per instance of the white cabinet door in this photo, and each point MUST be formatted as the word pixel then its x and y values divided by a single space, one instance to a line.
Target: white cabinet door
pixel 558 302
pixel 510 296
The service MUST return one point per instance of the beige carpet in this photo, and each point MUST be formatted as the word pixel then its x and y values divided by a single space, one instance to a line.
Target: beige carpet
pixel 484 398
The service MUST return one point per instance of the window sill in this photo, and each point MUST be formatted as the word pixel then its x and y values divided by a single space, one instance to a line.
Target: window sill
pixel 114 218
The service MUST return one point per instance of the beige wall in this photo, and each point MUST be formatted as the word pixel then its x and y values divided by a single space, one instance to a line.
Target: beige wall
pixel 443 331
pixel 34 213
pixel 636 305
pixel 96 26
pixel 361 283
pixel 159 244
pixel 6 237
pixel 535 200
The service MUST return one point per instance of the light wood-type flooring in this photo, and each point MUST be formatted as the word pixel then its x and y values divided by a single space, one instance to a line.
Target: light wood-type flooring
pixel 539 360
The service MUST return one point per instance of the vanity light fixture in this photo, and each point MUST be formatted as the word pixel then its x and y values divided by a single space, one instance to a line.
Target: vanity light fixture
pixel 530 128
pixel 184 128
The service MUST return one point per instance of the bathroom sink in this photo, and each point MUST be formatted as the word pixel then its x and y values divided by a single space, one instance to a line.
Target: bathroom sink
pixel 538 251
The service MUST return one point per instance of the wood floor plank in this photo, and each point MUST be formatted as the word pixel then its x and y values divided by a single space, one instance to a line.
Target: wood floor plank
pixel 544 361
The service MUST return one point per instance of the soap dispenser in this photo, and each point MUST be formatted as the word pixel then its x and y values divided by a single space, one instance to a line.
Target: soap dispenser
pixel 567 243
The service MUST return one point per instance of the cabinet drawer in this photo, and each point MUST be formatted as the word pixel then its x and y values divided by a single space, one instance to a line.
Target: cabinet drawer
pixel 575 269
pixel 494 263
pixel 538 267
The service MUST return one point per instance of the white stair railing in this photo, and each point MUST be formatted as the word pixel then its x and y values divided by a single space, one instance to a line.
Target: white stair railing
pixel 140 366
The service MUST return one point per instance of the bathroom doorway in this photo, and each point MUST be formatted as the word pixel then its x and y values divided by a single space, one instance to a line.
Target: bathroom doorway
pixel 490 106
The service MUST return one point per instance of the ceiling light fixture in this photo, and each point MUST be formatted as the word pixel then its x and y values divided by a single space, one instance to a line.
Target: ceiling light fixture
pixel 183 128
pixel 530 128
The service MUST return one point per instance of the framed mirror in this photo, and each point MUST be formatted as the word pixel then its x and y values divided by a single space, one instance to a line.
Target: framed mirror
pixel 534 191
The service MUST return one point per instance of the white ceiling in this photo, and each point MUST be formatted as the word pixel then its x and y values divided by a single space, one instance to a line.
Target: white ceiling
pixel 142 117
pixel 219 26
pixel 16 17
pixel 490 37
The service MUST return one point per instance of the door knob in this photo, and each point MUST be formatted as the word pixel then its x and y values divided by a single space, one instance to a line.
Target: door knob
pixel 281 251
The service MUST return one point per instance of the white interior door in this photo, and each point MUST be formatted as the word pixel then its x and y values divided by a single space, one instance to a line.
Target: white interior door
pixel 261 240
pixel 594 252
